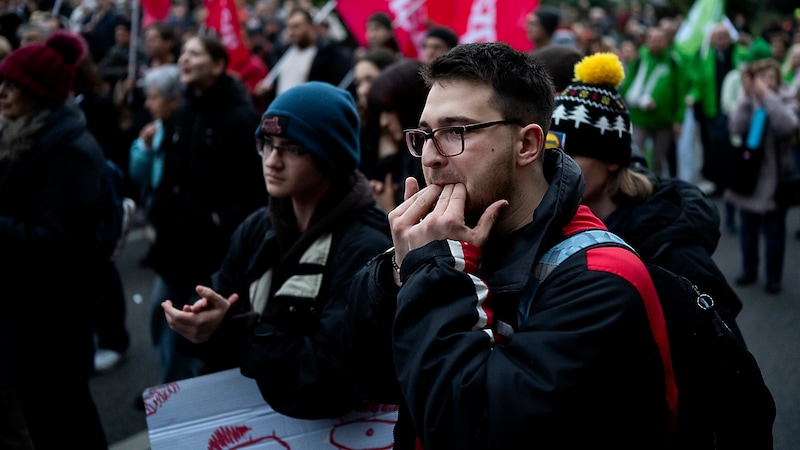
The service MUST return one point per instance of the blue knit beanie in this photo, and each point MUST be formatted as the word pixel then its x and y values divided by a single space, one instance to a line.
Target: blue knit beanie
pixel 322 119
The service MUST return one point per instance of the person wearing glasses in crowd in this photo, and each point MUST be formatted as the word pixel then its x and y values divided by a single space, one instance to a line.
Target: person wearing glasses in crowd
pixel 481 361
pixel 275 307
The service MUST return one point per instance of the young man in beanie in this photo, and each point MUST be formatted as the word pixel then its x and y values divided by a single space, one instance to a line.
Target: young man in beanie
pixel 277 304
pixel 483 358
pixel 51 185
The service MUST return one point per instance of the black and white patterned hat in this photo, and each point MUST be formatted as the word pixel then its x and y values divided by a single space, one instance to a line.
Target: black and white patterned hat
pixel 590 117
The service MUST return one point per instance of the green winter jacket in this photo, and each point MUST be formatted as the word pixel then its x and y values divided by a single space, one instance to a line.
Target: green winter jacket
pixel 703 80
pixel 667 90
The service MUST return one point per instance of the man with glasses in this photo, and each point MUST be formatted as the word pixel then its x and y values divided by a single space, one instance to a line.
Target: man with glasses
pixel 482 362
pixel 276 305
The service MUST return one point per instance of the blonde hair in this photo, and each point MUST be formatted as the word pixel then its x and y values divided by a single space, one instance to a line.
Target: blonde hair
pixel 626 186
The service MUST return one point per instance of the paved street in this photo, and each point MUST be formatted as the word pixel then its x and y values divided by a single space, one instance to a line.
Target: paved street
pixel 771 325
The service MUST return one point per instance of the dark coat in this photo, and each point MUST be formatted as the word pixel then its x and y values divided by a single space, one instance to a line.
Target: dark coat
pixel 587 367
pixel 50 201
pixel 211 169
pixel 678 228
pixel 293 349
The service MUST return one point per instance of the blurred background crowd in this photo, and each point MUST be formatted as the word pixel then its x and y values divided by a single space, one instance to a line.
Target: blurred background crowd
pixel 686 64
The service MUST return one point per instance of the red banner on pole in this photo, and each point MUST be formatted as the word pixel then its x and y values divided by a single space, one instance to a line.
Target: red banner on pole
pixel 472 20
pixel 223 17
pixel 155 11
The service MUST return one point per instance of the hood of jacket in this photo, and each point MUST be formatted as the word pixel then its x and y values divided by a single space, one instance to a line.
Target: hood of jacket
pixel 677 213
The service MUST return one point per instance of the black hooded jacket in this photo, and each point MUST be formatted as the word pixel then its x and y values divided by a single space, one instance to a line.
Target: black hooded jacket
pixel 292 349
pixel 677 227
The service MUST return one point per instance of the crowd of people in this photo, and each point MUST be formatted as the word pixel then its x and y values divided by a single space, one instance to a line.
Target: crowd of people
pixel 396 215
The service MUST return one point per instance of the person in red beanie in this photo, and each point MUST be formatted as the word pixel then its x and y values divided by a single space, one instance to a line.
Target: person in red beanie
pixel 51 180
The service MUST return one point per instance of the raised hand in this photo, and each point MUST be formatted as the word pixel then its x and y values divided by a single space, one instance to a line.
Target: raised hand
pixel 198 321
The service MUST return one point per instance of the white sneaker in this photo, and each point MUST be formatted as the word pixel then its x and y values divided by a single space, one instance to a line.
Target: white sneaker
pixel 105 360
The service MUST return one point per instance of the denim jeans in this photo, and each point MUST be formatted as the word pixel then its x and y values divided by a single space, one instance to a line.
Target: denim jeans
pixel 773 226
pixel 174 364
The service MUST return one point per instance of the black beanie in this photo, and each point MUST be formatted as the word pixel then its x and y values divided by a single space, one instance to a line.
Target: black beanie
pixel 591 118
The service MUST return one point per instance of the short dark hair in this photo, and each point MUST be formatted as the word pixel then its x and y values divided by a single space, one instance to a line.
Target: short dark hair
pixel 164 30
pixel 381 18
pixel 560 61
pixel 522 89
pixel 381 57
pixel 401 89
pixel 304 12
pixel 214 46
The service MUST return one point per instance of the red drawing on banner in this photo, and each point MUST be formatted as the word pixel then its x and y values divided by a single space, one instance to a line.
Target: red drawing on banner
pixel 157 396
pixel 236 437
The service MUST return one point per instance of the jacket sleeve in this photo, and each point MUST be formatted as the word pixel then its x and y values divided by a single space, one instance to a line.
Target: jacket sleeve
pixel 306 375
pixel 141 162
pixel 468 388
pixel 782 117
pixel 367 333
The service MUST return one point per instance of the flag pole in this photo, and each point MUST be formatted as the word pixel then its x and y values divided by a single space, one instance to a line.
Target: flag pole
pixel 132 48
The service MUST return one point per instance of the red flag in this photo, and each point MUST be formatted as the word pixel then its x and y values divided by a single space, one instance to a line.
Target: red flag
pixel 472 20
pixel 155 11
pixel 485 20
pixel 409 18
pixel 224 18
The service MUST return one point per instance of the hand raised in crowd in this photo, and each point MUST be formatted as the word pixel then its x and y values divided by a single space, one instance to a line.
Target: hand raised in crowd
pixel 147 133
pixel 198 321
pixel 437 212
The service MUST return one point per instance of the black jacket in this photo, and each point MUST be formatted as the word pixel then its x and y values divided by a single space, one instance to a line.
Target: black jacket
pixel 293 349
pixel 211 170
pixel 678 228
pixel 50 200
pixel 588 367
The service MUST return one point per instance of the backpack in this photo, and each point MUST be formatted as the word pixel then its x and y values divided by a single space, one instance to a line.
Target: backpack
pixel 723 402
pixel 108 231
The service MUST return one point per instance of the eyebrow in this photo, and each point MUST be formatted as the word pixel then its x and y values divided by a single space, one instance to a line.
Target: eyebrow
pixel 448 121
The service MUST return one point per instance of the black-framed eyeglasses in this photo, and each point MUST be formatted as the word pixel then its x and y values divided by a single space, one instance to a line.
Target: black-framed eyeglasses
pixel 449 141
pixel 266 146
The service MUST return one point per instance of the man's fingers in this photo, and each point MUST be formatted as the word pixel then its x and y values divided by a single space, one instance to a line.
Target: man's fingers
pixel 417 206
pixel 412 187
pixel 210 295
pixel 488 219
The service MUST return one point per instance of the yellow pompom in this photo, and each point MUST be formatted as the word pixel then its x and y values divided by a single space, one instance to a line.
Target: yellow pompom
pixel 600 68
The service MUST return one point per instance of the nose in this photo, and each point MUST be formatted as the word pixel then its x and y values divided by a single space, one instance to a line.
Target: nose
pixel 271 158
pixel 431 156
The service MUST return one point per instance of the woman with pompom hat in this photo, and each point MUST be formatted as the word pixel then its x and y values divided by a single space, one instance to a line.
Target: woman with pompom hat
pixel 668 221
pixel 51 179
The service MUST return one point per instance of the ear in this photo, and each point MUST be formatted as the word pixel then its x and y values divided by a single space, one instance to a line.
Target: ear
pixel 532 144
pixel 612 167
